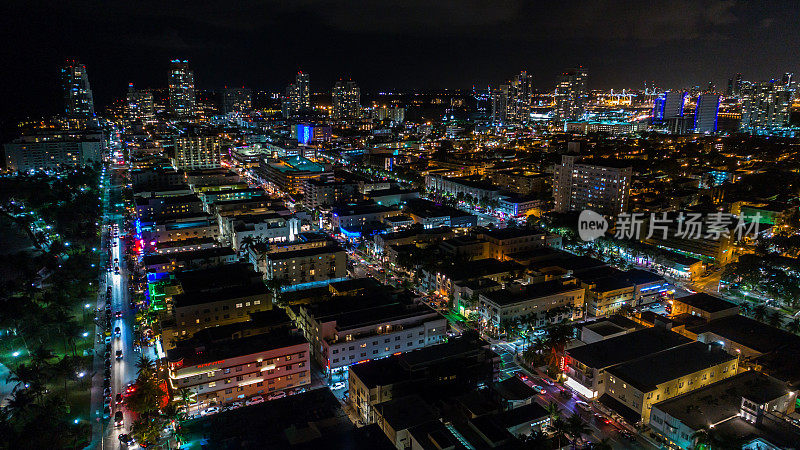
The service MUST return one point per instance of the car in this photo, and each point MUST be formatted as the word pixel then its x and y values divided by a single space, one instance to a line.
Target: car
pixel 299 390
pixel 119 420
pixel 106 392
pixel 119 354
pixel 539 333
pixel 117 331
pixel 118 398
pixel 547 381
pixel 118 314
pixel 338 385
pixel 254 400
pixel 210 410
pixel 539 389
pixel 106 412
pixel 583 405
pixel 236 404
pixel 125 439
pixel 276 395
pixel 522 376
pixel 565 393
pixel 116 270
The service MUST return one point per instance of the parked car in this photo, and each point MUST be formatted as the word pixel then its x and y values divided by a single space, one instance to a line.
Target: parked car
pixel 118 398
pixel 126 439
pixel 119 354
pixel 583 405
pixel 236 404
pixel 539 389
pixel 254 400
pixel 210 410
pixel 119 420
pixel 276 395
pixel 338 385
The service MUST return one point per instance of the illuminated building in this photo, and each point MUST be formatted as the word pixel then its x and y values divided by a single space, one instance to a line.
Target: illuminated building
pixel 196 152
pixel 181 89
pixel 346 97
pixel 347 330
pixel 765 108
pixel 669 105
pixel 140 104
pixel 393 114
pixel 312 134
pixel 749 403
pixel 236 101
pixel 153 207
pixel 349 216
pixel 50 151
pixel 734 86
pixel 217 368
pixel 571 94
pixel 603 126
pixel 179 229
pixel 290 174
pixel 533 302
pixel 599 187
pixel 500 105
pixel 297 99
pixel 520 91
pixel 586 364
pixel 705 114
pixel 462 361
pixel 78 100
pixel 308 264
pixel 633 387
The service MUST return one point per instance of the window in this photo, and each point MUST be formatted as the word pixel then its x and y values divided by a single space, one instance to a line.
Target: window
pixel 239 369
pixel 409 344
pixel 257 302
pixel 421 341
pixel 374 352
pixel 228 391
pixel 258 363
pixel 397 346
pixel 227 370
pixel 288 367
pixel 335 351
pixel 335 360
pixel 238 305
pixel 363 354
pixel 386 341
pixel 364 345
pixel 239 378
pixel 260 383
pixel 352 356
pixel 352 348
pixel 288 357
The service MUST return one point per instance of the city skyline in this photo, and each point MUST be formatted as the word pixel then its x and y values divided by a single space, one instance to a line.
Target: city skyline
pixel 408 48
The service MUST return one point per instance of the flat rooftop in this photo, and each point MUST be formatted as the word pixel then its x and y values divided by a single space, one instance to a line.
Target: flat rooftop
pixel 187 299
pixel 194 352
pixel 751 333
pixel 723 399
pixel 647 372
pixel 705 302
pixel 296 164
pixel 504 297
pixel 627 347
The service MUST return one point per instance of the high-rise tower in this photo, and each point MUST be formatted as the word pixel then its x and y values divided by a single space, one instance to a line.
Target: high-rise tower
pixel 181 89
pixel 78 100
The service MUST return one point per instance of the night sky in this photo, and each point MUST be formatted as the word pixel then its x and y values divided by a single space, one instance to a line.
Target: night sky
pixel 388 45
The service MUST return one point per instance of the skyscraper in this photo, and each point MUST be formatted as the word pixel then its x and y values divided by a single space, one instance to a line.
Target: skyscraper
pixel 140 104
pixel 297 97
pixel 346 97
pixel 500 105
pixel 181 89
pixel 669 105
pixel 765 107
pixel 236 100
pixel 519 97
pixel 734 86
pixel 706 113
pixel 78 100
pixel 571 94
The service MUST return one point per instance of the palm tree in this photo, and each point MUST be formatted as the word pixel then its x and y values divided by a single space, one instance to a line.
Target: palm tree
pixel 553 410
pixel 759 312
pixel 793 326
pixel 576 427
pixel 605 444
pixel 145 367
pixel 775 319
pixel 744 308
pixel 559 428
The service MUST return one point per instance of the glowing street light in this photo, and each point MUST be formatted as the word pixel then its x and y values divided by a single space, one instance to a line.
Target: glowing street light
pixel 15 354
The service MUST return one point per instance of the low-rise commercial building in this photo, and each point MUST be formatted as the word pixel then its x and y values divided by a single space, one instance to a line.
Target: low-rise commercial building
pixel 298 265
pixel 226 370
pixel 586 365
pixel 633 387
pixel 344 331
pixel 749 407
pixel 290 174
pixel 541 303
